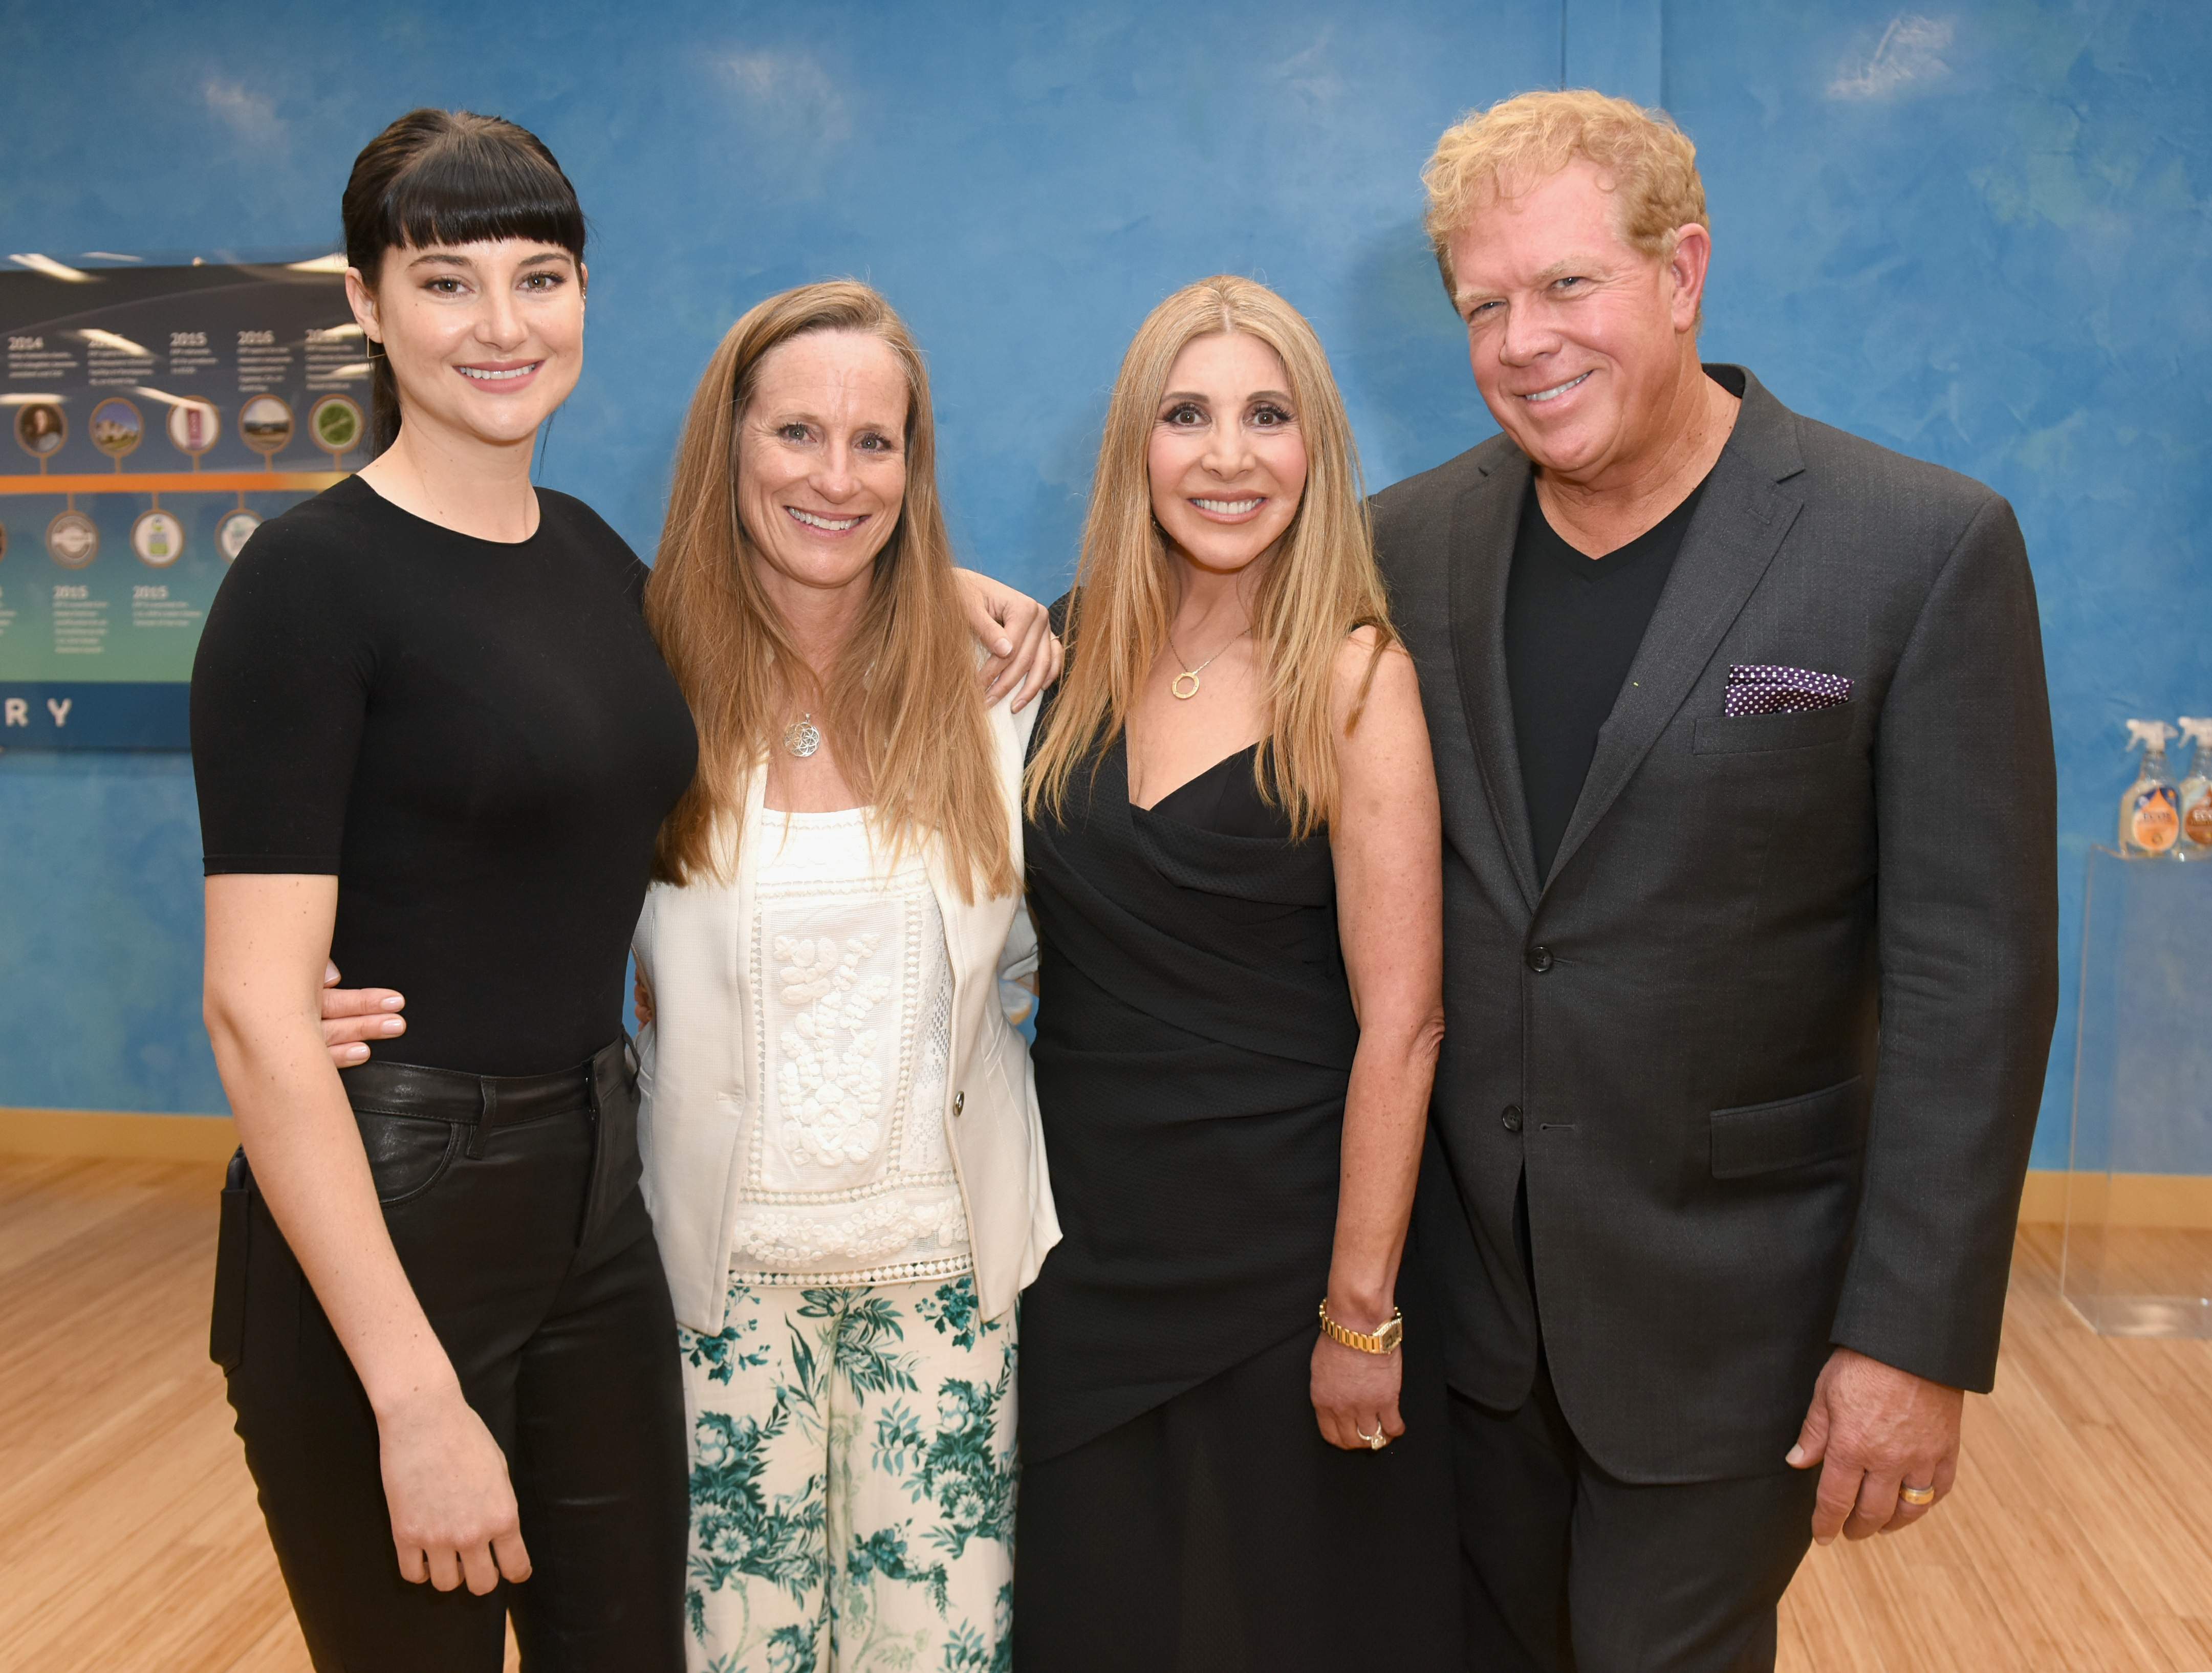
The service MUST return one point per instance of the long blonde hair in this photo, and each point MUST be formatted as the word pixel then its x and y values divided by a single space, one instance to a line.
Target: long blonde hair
pixel 1321 585
pixel 902 703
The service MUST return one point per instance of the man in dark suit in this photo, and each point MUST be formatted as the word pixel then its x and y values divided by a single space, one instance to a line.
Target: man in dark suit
pixel 1750 928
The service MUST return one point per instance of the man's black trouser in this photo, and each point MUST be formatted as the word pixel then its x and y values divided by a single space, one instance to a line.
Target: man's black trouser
pixel 1566 1569
pixel 514 1207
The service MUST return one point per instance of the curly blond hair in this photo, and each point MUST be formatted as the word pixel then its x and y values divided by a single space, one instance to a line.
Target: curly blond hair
pixel 1648 162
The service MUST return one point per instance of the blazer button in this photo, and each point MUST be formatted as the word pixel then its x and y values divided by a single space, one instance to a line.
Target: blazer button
pixel 1540 959
pixel 1512 1118
pixel 959 1102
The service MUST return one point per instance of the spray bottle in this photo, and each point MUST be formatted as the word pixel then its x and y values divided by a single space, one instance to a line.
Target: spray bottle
pixel 2150 812
pixel 2196 793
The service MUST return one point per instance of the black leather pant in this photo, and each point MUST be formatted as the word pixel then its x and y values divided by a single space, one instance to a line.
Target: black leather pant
pixel 514 1207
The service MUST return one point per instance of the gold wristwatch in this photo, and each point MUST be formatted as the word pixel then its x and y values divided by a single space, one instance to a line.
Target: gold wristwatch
pixel 1384 1341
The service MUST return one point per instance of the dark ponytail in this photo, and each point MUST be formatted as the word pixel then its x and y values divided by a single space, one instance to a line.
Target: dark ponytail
pixel 449 177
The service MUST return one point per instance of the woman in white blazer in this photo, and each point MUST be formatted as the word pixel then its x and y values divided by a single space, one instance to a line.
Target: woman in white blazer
pixel 838 1124
pixel 839 1128
pixel 703 1062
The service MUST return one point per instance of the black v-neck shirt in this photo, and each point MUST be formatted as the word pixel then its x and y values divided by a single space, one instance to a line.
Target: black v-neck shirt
pixel 479 740
pixel 1573 626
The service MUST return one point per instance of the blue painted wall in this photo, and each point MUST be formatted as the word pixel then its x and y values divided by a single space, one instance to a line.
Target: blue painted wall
pixel 1979 238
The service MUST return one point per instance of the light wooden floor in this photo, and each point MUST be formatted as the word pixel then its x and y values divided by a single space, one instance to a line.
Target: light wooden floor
pixel 2080 1540
pixel 129 1542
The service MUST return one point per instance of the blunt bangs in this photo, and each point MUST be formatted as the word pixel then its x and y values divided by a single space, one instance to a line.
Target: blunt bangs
pixel 471 188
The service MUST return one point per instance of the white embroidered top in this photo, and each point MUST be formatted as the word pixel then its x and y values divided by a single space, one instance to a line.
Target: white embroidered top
pixel 846 1174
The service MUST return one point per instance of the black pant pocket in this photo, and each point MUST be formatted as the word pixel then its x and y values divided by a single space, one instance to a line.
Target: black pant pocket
pixel 226 1322
pixel 407 1154
pixel 616 1165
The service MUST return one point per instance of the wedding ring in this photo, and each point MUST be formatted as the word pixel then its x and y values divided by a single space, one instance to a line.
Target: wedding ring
pixel 1375 1442
pixel 1919 1496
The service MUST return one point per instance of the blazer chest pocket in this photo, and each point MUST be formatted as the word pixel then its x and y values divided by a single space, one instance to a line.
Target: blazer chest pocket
pixel 1791 1132
pixel 1745 734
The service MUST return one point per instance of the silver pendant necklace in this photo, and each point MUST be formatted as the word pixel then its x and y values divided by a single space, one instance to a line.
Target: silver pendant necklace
pixel 802 737
pixel 1176 686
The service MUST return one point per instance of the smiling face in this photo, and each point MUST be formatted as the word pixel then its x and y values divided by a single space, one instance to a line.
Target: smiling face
pixel 822 460
pixel 1226 460
pixel 1582 345
pixel 484 339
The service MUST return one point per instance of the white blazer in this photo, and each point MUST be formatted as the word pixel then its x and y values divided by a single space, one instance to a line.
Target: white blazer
pixel 700 1064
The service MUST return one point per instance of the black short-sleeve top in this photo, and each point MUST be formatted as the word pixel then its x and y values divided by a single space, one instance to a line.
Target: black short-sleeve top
pixel 478 739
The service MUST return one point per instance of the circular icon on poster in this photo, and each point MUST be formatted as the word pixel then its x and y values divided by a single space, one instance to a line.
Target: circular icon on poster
pixel 194 426
pixel 231 534
pixel 265 424
pixel 158 537
pixel 115 426
pixel 72 540
pixel 41 428
pixel 335 421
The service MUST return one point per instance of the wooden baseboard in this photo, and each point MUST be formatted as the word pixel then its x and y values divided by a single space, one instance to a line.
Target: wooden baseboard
pixel 2169 1202
pixel 2043 1199
pixel 123 1137
pixel 2175 1201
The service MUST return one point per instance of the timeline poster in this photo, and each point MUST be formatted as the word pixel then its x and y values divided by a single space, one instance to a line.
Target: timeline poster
pixel 155 415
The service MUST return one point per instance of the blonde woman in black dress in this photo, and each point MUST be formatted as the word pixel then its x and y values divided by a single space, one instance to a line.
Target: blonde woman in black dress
pixel 1234 863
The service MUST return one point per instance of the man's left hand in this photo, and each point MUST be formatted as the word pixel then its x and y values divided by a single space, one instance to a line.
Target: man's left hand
pixel 1872 1429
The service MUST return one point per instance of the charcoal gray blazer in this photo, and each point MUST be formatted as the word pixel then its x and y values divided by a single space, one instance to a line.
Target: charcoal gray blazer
pixel 1768 1043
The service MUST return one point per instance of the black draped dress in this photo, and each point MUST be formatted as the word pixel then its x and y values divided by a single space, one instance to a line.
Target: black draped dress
pixel 1179 1508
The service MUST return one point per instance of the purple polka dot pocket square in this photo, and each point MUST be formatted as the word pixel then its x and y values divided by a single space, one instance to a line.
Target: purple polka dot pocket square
pixel 1758 688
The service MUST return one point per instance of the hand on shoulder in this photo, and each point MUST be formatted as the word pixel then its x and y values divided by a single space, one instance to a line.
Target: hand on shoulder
pixel 1020 652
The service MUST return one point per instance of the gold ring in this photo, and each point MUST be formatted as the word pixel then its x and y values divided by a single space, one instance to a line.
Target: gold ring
pixel 1922 1497
pixel 1375 1442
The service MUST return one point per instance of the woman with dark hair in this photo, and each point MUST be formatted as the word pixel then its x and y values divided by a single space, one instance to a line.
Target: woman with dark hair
pixel 436 741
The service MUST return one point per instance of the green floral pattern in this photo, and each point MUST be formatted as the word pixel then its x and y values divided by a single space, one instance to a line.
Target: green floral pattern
pixel 852 1481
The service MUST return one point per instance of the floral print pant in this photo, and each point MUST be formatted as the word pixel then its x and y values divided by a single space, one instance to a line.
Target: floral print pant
pixel 852 1481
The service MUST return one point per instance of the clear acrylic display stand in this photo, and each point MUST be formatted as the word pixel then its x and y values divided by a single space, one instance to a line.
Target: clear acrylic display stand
pixel 2137 1261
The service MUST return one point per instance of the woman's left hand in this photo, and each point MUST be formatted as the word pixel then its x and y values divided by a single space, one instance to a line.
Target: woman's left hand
pixel 1356 1395
pixel 1017 630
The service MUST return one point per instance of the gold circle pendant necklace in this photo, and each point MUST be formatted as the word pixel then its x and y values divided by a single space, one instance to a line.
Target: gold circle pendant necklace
pixel 1176 686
